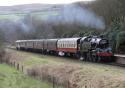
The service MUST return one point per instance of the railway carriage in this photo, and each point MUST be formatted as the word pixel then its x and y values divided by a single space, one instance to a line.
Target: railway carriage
pixel 29 45
pixel 67 46
pixel 17 44
pixel 45 44
pixel 50 45
pixel 21 44
pixel 38 45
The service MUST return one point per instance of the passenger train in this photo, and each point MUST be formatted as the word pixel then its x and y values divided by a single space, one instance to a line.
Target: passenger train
pixel 89 48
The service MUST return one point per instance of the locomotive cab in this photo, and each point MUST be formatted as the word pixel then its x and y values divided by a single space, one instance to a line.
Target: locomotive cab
pixel 85 46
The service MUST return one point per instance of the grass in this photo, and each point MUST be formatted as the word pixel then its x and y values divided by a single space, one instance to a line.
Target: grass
pixel 11 78
pixel 77 72
pixel 35 60
pixel 32 59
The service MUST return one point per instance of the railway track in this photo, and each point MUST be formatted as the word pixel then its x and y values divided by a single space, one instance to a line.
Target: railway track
pixel 116 64
pixel 119 55
pixel 120 60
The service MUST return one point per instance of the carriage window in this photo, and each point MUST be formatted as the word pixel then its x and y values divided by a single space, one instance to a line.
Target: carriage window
pixel 61 45
pixel 69 45
pixel 73 45
pixel 66 45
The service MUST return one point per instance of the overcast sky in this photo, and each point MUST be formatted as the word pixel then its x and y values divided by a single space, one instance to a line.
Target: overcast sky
pixel 18 2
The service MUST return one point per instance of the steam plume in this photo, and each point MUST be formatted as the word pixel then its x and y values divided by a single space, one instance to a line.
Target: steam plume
pixel 73 13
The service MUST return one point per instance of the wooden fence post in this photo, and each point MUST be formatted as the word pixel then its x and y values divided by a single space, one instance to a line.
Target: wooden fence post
pixel 17 66
pixel 42 75
pixel 1 60
pixel 68 84
pixel 53 82
pixel 22 68
pixel 11 63
pixel 14 63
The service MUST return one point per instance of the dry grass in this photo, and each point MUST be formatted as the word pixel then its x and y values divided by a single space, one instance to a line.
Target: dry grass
pixel 75 74
pixel 79 77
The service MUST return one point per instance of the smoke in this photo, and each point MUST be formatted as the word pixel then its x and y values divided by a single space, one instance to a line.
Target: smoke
pixel 14 29
pixel 12 25
pixel 75 14
pixel 23 26
pixel 31 26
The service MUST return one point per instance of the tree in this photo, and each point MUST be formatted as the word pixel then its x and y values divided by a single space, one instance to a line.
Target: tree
pixel 2 51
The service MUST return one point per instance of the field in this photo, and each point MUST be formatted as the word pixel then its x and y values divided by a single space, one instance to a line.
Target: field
pixel 75 73
pixel 40 15
pixel 11 78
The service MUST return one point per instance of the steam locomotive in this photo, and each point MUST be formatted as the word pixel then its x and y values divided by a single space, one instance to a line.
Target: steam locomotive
pixel 89 48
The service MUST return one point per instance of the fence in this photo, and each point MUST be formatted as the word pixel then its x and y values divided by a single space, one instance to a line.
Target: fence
pixel 18 66
pixel 52 80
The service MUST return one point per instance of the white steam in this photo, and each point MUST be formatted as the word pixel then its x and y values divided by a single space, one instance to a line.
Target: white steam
pixel 73 13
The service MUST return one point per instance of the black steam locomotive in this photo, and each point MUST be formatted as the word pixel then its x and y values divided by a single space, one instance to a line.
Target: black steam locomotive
pixel 89 48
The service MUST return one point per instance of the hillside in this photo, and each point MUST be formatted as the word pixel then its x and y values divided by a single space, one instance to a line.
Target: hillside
pixel 27 8
pixel 36 21
pixel 18 11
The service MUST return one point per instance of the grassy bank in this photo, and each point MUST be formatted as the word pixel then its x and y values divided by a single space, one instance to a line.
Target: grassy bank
pixel 11 78
pixel 65 71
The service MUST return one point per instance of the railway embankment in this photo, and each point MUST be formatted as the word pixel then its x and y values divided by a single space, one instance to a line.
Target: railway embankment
pixel 67 72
